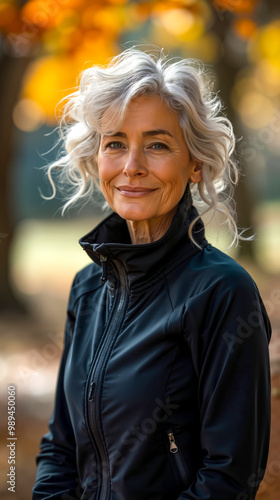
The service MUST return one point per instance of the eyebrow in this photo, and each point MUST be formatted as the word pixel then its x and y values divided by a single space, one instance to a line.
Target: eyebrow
pixel 158 131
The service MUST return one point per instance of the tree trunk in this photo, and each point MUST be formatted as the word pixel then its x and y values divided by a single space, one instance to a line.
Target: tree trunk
pixel 11 70
pixel 227 71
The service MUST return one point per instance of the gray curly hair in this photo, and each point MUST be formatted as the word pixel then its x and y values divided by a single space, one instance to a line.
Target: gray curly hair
pixel 185 87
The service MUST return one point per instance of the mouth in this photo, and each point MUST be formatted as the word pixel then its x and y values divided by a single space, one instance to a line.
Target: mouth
pixel 134 191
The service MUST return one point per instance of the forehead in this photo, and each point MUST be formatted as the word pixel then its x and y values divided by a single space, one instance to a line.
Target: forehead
pixel 147 112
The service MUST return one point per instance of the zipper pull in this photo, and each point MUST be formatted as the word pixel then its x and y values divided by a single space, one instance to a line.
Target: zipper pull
pixel 173 446
pixel 104 269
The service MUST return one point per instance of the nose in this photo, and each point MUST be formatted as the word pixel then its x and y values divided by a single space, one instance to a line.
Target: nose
pixel 134 165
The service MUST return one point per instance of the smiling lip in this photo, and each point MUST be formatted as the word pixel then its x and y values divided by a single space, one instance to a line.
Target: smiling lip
pixel 134 192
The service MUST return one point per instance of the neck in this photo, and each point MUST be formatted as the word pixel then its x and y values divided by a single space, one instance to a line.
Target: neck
pixel 147 231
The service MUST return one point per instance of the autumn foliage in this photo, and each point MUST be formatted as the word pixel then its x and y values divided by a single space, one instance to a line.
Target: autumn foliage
pixel 63 37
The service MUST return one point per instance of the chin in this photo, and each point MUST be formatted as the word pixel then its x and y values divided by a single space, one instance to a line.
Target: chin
pixel 133 214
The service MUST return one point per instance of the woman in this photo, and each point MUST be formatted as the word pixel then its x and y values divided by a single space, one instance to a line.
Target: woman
pixel 163 390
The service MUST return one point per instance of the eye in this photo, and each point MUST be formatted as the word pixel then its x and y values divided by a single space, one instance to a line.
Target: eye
pixel 159 146
pixel 114 145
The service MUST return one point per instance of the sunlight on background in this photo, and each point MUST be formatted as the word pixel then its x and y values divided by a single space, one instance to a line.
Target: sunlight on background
pixel 75 34
pixel 52 248
pixel 46 254
pixel 51 42
pixel 256 96
pixel 28 115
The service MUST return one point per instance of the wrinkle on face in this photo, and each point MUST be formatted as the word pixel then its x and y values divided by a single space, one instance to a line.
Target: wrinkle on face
pixel 149 152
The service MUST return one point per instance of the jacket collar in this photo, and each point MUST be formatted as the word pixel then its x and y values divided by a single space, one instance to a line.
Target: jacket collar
pixel 110 241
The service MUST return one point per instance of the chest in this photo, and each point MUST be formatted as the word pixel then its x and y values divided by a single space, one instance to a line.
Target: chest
pixel 127 349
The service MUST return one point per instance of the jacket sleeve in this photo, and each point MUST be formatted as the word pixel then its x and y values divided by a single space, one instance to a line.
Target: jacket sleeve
pixel 229 345
pixel 57 476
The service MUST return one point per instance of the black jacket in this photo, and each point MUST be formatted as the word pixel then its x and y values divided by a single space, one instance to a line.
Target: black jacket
pixel 164 386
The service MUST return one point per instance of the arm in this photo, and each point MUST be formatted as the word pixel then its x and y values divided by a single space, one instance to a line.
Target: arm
pixel 57 476
pixel 230 354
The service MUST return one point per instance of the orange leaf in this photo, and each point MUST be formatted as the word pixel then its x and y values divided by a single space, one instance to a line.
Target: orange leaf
pixel 239 6
pixel 244 27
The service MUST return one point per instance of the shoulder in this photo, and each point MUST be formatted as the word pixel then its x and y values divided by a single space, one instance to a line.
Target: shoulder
pixel 210 272
pixel 86 280
pixel 228 294
pixel 226 300
pixel 211 285
pixel 223 271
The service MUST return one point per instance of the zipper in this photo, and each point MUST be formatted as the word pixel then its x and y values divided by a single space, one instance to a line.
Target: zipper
pixel 178 458
pixel 103 261
pixel 94 388
pixel 91 392
pixel 173 448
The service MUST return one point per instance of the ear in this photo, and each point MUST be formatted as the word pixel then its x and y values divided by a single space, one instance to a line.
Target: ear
pixel 196 173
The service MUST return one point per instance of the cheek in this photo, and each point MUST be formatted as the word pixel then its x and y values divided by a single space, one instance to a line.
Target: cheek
pixel 106 174
pixel 107 169
pixel 183 176
pixel 177 182
pixel 107 192
pixel 104 170
pixel 101 165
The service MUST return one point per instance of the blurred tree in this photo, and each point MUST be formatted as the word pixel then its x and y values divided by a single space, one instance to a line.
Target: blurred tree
pixel 234 32
pixel 11 71
pixel 57 39
pixel 64 33
pixel 249 75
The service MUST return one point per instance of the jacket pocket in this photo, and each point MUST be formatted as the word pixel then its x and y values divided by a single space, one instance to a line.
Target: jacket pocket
pixel 177 458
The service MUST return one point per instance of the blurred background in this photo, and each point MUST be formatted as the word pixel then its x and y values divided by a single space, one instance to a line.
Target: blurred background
pixel 44 45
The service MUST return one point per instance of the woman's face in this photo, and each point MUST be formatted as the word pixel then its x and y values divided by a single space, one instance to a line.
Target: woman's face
pixel 144 168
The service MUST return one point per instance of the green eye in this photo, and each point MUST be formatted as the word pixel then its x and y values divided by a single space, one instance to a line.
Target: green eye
pixel 159 145
pixel 114 145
